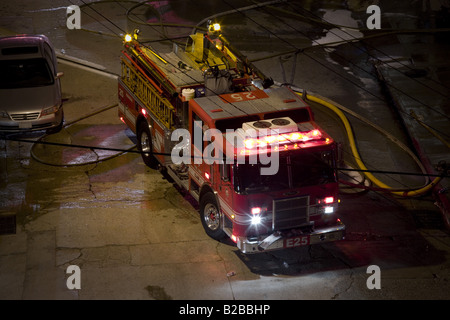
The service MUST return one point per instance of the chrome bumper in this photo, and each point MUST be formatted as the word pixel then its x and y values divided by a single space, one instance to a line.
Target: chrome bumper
pixel 279 240
pixel 47 122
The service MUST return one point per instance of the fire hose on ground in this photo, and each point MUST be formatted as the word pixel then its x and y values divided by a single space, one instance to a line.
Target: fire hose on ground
pixel 337 109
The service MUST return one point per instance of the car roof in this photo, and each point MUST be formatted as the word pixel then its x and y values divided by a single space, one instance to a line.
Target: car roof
pixel 32 46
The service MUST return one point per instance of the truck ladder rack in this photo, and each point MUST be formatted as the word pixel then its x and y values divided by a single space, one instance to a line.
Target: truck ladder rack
pixel 159 106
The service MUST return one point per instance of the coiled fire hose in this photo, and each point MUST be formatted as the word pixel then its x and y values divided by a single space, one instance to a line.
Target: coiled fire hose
pixel 337 109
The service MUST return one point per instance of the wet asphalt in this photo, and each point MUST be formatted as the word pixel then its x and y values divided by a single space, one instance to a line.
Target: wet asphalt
pixel 134 235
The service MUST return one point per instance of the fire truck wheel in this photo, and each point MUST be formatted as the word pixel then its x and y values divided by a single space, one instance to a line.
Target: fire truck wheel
pixel 211 217
pixel 144 145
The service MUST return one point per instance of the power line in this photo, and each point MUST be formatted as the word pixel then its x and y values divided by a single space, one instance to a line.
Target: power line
pixel 314 59
pixel 259 6
pixel 168 62
pixel 59 144
pixel 351 41
pixel 113 33
pixel 237 10
pixel 358 67
pixel 299 50
pixel 100 14
pixel 337 73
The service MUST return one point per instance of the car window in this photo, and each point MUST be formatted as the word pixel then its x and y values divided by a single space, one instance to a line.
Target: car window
pixel 19 50
pixel 25 73
pixel 50 56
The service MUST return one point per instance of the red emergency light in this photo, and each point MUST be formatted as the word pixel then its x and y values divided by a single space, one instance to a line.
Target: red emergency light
pixel 297 136
pixel 326 200
pixel 256 210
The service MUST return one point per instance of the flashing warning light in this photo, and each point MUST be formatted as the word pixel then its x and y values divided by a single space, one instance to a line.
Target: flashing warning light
pixel 256 210
pixel 328 200
pixel 250 143
pixel 296 136
pixel 128 38
pixel 207 175
pixel 144 112
pixel 135 33
pixel 234 238
pixel 283 138
pixel 213 27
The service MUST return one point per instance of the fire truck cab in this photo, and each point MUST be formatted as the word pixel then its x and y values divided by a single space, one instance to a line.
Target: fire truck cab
pixel 251 154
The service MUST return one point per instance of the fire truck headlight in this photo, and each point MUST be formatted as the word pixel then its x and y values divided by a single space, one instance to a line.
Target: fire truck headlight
pixel 327 205
pixel 256 220
pixel 256 215
pixel 328 210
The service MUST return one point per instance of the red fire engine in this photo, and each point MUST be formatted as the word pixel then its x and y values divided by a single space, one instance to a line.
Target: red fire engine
pixel 212 93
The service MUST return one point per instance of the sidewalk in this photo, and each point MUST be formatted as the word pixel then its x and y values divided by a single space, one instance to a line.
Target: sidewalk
pixel 418 85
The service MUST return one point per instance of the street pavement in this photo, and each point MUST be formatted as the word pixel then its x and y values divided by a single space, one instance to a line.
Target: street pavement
pixel 417 81
pixel 135 236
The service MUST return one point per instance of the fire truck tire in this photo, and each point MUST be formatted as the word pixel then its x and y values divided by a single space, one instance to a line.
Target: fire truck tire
pixel 144 145
pixel 211 216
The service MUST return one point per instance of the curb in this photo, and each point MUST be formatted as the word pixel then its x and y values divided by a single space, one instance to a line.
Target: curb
pixel 439 192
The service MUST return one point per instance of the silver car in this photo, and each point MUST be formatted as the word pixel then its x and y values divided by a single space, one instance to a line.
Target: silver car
pixel 30 88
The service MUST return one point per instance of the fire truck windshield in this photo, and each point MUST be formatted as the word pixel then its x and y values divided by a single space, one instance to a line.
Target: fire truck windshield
pixel 296 170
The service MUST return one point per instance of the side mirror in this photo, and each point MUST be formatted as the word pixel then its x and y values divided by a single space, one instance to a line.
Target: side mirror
pixel 59 75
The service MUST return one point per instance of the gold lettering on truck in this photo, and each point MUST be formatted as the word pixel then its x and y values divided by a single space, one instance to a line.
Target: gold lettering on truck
pixel 159 106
